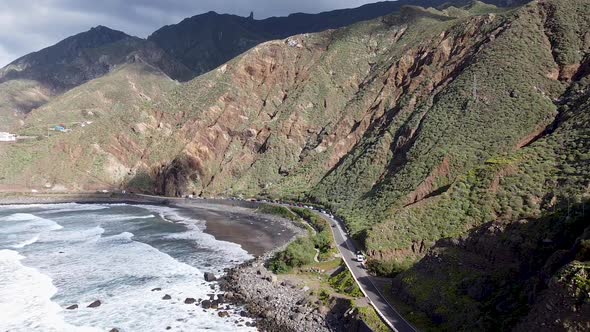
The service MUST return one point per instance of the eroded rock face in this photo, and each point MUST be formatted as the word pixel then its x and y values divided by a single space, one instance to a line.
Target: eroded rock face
pixel 564 305
pixel 270 125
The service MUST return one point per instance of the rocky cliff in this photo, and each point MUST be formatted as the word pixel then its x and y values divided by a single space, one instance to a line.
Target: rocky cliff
pixel 204 42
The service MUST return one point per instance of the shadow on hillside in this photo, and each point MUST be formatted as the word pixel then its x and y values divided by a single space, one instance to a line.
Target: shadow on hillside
pixel 488 280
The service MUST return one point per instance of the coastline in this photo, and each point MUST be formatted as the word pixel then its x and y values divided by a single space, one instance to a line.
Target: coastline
pixel 227 220
pixel 270 304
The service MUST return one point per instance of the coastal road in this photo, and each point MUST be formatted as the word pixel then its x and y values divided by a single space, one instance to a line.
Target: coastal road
pixel 378 300
pixel 348 252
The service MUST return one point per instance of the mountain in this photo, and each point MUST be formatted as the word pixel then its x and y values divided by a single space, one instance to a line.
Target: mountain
pixel 84 57
pixel 204 42
pixel 36 78
pixel 453 141
pixel 182 51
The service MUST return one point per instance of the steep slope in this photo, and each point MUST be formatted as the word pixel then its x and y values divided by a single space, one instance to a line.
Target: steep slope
pixel 182 51
pixel 530 266
pixel 204 42
pixel 95 114
pixel 34 79
pixel 16 96
pixel 83 57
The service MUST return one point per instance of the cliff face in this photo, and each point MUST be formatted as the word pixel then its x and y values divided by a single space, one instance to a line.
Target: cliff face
pixel 182 51
pixel 204 42
pixel 527 268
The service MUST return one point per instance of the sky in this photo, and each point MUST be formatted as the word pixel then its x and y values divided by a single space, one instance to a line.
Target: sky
pixel 30 25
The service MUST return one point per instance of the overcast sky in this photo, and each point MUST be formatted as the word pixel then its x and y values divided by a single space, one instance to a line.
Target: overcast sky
pixel 30 25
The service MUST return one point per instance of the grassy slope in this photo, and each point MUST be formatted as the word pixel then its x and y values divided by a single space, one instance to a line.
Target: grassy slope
pixel 537 199
pixel 405 118
pixel 17 96
pixel 97 155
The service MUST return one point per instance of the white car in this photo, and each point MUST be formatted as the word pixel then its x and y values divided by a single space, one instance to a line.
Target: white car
pixel 360 258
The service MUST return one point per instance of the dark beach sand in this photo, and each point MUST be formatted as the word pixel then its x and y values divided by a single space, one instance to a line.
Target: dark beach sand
pixel 238 222
pixel 226 220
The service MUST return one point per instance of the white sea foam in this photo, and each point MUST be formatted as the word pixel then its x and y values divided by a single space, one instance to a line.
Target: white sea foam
pixel 75 235
pixel 21 229
pixel 60 207
pixel 97 256
pixel 25 295
pixel 196 233
pixel 75 208
pixel 26 242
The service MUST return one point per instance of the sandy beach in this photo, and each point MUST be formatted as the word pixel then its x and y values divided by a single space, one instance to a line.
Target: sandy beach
pixel 227 220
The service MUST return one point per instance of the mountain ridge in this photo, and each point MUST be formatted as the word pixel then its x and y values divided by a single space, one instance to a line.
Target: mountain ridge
pixel 183 51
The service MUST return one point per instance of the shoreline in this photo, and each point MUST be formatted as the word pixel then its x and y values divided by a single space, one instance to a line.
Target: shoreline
pixel 227 220
pixel 271 305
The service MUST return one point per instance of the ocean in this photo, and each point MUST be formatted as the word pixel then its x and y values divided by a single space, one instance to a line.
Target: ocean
pixel 54 256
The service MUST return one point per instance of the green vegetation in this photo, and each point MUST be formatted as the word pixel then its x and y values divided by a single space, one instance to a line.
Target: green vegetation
pixel 389 268
pixel 344 283
pixel 369 315
pixel 299 253
pixel 278 210
pixel 464 130
pixel 323 238
pixel 302 251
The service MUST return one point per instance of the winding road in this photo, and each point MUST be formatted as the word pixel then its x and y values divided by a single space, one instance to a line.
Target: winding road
pixel 348 251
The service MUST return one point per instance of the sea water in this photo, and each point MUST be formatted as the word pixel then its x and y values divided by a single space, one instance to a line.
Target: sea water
pixel 54 256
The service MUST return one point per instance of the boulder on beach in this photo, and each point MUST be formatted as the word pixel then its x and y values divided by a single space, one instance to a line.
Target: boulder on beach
pixel 72 307
pixel 206 304
pixel 296 317
pixel 189 300
pixel 94 304
pixel 228 296
pixel 210 277
pixel 167 297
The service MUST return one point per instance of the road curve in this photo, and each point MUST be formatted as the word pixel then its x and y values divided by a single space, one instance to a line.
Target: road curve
pixel 348 251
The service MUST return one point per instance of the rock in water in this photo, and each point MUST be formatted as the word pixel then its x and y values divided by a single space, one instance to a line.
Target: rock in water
pixel 167 297
pixel 189 300
pixel 206 304
pixel 94 304
pixel 114 330
pixel 156 289
pixel 72 307
pixel 223 314
pixel 210 277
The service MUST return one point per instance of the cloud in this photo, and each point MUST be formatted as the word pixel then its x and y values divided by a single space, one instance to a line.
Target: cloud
pixel 30 25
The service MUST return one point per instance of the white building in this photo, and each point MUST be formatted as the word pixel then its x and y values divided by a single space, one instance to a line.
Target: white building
pixel 7 137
